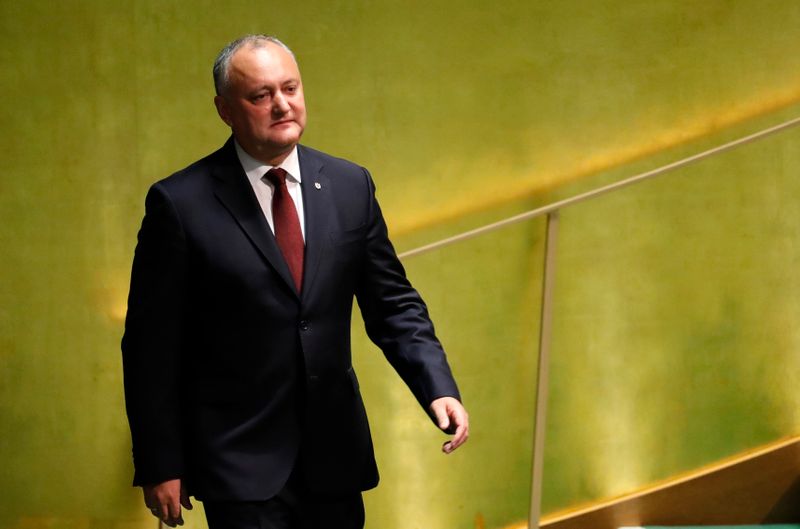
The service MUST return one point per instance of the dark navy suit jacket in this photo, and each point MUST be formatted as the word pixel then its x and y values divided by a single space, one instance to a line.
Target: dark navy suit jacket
pixel 230 374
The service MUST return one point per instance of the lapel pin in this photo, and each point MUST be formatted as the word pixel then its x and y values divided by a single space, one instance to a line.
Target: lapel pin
pixel 317 185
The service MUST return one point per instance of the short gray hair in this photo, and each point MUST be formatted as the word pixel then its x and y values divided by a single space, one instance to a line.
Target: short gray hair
pixel 223 62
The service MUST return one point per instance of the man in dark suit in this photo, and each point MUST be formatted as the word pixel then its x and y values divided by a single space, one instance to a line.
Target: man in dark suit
pixel 238 378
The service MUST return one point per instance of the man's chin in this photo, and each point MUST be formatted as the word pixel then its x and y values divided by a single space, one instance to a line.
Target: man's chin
pixel 273 149
pixel 284 144
pixel 285 128
pixel 285 136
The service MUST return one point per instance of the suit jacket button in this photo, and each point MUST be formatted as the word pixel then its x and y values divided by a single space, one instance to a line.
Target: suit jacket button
pixel 304 325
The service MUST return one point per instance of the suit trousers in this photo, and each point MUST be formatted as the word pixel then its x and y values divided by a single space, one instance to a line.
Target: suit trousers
pixel 295 507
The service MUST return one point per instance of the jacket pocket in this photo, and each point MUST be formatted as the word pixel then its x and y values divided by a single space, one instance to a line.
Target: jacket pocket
pixel 346 237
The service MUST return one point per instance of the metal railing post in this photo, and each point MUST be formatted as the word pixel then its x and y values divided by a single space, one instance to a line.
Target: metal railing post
pixel 542 371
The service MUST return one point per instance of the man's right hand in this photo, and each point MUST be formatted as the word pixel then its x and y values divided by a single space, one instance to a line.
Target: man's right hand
pixel 165 499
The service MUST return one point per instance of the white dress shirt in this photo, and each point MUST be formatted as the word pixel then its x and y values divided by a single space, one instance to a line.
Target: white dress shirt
pixel 264 190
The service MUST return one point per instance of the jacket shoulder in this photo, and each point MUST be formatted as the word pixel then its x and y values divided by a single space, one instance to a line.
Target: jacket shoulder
pixel 330 163
pixel 198 175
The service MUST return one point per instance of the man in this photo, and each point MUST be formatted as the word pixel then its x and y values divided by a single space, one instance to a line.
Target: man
pixel 238 379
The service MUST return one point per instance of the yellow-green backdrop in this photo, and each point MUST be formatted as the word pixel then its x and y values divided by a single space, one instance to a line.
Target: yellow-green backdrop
pixel 677 302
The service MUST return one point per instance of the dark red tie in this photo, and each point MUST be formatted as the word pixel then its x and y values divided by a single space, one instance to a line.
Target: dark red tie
pixel 287 225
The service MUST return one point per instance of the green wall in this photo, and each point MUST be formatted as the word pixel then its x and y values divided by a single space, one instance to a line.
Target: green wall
pixel 676 301
pixel 675 338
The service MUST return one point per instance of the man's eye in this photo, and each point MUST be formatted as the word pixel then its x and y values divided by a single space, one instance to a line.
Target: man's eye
pixel 259 97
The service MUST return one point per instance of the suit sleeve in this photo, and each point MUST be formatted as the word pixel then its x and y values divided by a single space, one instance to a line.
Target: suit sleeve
pixel 152 343
pixel 396 318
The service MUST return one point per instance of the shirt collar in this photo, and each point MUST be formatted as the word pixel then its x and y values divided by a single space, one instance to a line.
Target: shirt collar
pixel 256 169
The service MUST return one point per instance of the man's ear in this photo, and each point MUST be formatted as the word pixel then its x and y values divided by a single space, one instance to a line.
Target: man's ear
pixel 222 109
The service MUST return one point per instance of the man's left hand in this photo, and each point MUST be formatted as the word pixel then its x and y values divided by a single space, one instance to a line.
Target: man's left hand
pixel 452 418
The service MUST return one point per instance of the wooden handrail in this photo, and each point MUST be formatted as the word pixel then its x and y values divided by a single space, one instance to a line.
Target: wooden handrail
pixel 757 487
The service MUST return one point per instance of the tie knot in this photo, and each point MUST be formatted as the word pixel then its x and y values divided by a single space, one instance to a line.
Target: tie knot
pixel 276 176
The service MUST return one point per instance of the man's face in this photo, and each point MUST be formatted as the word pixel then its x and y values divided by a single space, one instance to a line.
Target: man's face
pixel 263 103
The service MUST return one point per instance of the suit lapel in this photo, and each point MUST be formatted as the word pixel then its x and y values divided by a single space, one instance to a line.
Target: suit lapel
pixel 236 194
pixel 317 207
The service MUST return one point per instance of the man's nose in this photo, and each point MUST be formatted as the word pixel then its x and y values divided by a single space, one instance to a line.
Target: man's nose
pixel 280 105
